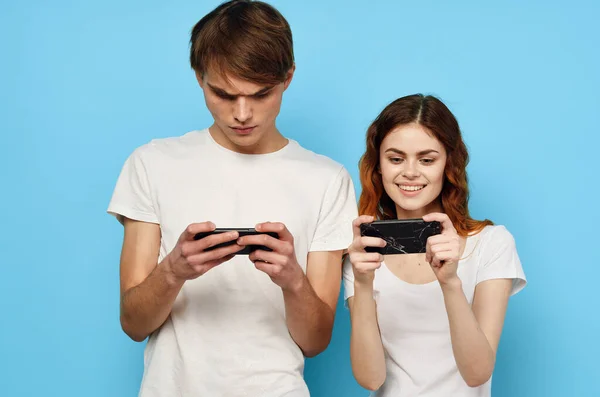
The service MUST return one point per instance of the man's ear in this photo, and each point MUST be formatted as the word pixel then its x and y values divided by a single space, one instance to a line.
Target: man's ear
pixel 200 78
pixel 289 77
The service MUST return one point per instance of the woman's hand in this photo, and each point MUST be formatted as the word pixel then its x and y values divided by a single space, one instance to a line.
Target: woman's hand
pixel 364 263
pixel 443 250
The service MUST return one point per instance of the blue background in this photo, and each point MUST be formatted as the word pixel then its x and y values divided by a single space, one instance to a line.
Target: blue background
pixel 84 83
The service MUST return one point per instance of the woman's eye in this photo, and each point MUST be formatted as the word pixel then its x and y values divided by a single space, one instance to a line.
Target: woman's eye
pixel 427 161
pixel 396 160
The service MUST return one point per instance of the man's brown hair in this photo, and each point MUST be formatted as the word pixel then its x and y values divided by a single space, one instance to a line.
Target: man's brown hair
pixel 248 39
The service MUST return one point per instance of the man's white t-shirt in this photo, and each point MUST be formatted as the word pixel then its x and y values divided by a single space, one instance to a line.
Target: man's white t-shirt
pixel 227 334
pixel 413 321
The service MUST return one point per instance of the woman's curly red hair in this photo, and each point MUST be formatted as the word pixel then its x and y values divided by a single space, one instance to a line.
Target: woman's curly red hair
pixel 431 113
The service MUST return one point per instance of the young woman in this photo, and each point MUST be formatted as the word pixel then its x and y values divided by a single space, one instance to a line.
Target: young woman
pixel 426 324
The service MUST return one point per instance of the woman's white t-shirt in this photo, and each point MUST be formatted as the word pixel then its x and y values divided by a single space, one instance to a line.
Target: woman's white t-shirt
pixel 414 324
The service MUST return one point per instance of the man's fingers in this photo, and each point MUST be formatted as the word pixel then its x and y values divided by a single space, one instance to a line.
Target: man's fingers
pixel 204 267
pixel 276 227
pixel 216 254
pixel 217 262
pixel 195 228
pixel 264 240
pixel 266 256
pixel 189 248
pixel 217 239
pixel 270 269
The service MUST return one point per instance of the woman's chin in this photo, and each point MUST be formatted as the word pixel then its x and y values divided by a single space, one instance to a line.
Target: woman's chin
pixel 414 208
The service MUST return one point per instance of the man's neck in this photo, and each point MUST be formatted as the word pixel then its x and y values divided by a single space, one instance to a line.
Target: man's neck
pixel 271 142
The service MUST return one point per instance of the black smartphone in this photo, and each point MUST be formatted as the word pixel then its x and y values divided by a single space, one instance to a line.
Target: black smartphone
pixel 242 232
pixel 403 236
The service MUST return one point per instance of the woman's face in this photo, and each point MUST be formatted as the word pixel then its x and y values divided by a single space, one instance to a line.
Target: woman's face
pixel 412 163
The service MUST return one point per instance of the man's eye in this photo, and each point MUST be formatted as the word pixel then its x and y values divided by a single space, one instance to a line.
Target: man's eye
pixel 225 96
pixel 263 95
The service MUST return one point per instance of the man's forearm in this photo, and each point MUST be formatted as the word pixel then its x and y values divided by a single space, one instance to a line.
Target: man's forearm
pixel 309 319
pixel 145 307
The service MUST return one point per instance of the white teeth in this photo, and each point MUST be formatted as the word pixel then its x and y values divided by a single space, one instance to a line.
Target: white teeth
pixel 411 188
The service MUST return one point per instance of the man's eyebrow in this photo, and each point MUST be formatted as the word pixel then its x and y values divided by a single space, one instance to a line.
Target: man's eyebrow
pixel 222 92
pixel 219 90
pixel 262 91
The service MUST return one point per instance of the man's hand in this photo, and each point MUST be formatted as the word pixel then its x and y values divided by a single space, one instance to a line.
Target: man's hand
pixel 281 263
pixel 189 260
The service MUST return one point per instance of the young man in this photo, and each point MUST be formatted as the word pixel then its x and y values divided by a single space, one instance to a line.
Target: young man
pixel 221 324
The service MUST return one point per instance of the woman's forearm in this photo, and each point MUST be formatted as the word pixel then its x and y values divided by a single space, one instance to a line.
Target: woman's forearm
pixel 366 349
pixel 472 351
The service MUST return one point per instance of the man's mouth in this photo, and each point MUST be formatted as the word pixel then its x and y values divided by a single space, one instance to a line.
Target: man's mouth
pixel 243 130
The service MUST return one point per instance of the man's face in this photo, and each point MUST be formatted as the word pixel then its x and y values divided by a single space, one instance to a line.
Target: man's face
pixel 244 112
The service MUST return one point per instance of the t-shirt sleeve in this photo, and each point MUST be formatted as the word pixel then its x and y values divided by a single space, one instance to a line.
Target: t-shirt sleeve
pixel 132 196
pixel 338 210
pixel 500 259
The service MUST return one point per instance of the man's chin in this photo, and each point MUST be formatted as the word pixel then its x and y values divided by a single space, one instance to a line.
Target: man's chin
pixel 244 140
